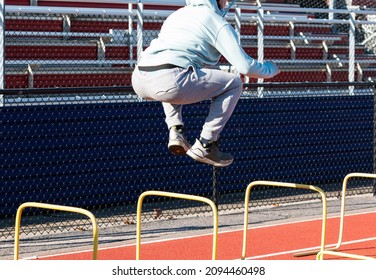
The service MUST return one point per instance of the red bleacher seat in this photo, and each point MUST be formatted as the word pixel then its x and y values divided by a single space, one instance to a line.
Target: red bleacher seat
pixel 96 26
pixel 300 76
pixel 312 29
pixel 119 52
pixel 103 4
pixel 34 25
pixel 369 74
pixel 43 80
pixel 16 81
pixel 82 80
pixel 309 52
pixel 297 76
pixel 17 2
pixel 55 52
pixel 269 30
pixel 271 52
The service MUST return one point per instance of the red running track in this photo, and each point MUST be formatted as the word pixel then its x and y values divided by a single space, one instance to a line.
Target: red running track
pixel 276 242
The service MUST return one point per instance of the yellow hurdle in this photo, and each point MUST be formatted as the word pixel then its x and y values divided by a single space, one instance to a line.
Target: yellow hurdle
pixel 181 196
pixel 54 207
pixel 341 254
pixel 284 185
pixel 343 203
pixel 343 208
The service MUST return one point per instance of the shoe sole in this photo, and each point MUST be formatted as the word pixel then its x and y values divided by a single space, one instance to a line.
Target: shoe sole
pixel 208 161
pixel 177 150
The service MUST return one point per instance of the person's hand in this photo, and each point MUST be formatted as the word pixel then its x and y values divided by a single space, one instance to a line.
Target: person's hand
pixel 274 70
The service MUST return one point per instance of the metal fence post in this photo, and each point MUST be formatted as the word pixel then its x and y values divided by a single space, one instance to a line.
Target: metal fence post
pixel 351 51
pixel 238 27
pixel 2 49
pixel 260 44
pixel 140 28
pixel 2 46
pixel 331 6
pixel 215 186
pixel 130 31
pixel 374 139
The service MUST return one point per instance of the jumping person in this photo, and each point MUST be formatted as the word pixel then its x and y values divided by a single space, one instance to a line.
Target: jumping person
pixel 178 68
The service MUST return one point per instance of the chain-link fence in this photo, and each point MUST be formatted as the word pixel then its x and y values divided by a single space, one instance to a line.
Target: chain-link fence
pixel 74 133
pixel 101 149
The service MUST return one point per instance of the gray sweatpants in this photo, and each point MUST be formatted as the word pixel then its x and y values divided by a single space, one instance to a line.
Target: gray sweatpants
pixel 177 86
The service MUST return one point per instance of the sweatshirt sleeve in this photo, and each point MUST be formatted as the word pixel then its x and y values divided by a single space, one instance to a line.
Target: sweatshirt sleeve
pixel 227 44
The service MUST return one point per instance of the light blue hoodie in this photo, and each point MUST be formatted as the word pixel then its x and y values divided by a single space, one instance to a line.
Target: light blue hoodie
pixel 198 35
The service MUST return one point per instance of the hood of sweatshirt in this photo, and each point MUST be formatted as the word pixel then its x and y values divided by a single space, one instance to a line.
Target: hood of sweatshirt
pixel 212 4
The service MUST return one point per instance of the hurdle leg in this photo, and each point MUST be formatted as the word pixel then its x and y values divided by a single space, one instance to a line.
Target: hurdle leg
pixel 58 208
pixel 181 196
pixel 285 185
pixel 343 202
pixel 341 254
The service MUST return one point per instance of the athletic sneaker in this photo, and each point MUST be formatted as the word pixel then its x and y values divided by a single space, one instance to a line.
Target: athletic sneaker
pixel 211 155
pixel 177 144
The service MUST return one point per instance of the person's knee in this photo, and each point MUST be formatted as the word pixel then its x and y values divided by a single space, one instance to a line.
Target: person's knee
pixel 237 84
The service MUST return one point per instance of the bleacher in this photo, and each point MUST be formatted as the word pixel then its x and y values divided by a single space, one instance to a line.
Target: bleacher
pixel 66 49
pixel 93 43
